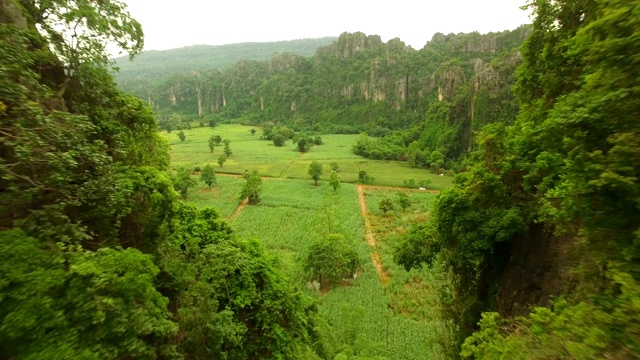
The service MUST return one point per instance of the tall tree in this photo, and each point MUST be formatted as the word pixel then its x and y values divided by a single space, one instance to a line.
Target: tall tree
pixel 252 188
pixel 334 180
pixel 212 143
pixel 315 171
pixel 208 176
pixel 222 159
pixel 183 181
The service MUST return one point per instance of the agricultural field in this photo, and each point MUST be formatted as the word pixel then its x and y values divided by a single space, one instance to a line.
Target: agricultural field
pixel 385 312
pixel 250 152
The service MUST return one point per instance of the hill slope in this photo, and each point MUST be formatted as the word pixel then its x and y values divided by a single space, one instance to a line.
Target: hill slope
pixel 153 66
pixel 447 90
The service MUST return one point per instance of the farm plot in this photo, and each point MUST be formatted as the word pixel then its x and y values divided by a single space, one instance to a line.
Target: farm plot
pixel 413 294
pixel 358 317
pixel 249 152
pixel 222 197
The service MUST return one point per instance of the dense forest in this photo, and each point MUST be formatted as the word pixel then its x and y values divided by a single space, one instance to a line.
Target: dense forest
pixel 150 68
pixel 437 96
pixel 547 214
pixel 99 259
pixel 538 239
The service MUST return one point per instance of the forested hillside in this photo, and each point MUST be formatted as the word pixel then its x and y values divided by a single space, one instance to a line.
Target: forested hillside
pixel 438 95
pixel 150 68
pixel 548 214
pixel 98 257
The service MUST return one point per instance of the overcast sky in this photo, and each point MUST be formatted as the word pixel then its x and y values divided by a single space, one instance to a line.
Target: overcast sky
pixel 170 24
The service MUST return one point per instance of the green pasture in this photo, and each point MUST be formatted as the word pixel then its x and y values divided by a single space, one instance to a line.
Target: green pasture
pixel 249 152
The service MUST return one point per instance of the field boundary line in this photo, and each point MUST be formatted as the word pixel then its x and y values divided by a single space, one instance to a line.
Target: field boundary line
pixel 398 188
pixel 376 259
pixel 238 209
pixel 284 172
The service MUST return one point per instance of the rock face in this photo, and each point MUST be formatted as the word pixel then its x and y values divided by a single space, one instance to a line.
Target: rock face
pixel 537 271
pixel 359 79
pixel 11 14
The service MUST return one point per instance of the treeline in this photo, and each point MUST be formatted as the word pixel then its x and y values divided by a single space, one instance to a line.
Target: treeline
pixel 98 257
pixel 437 97
pixel 540 238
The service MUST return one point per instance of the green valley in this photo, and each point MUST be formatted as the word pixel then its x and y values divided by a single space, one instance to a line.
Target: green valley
pixel 334 198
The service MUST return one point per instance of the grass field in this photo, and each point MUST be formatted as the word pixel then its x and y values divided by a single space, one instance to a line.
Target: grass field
pixel 249 152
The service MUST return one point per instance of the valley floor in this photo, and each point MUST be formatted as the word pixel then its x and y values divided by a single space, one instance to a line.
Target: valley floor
pixel 385 312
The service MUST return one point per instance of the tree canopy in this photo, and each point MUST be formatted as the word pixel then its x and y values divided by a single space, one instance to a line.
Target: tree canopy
pixel 99 258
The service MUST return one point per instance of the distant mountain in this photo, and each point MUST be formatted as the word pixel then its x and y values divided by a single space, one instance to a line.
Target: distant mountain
pixel 445 92
pixel 153 66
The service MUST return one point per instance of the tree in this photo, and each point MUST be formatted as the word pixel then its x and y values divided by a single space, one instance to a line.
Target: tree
pixel 253 131
pixel 334 180
pixel 385 204
pixel 208 176
pixel 317 140
pixel 183 181
pixel 364 177
pixel 218 139
pixel 425 183
pixel 403 199
pixel 304 144
pixel 334 166
pixel 436 160
pixel 252 188
pixel 80 31
pixel 315 170
pixel 89 217
pixel 75 286
pixel 182 136
pixel 278 140
pixel 175 121
pixel 222 159
pixel 212 143
pixel 330 259
pixel 227 150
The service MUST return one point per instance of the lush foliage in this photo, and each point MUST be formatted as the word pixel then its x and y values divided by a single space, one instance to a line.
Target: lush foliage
pixel 334 180
pixel 315 171
pixel 99 259
pixel 252 187
pixel 183 181
pixel 560 184
pixel 330 259
pixel 208 176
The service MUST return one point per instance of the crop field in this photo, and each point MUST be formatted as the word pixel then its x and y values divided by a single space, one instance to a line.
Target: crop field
pixel 413 293
pixel 223 197
pixel 386 311
pixel 249 152
pixel 362 316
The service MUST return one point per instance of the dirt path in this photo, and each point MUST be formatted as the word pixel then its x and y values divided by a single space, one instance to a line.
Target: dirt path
pixel 284 172
pixel 396 188
pixel 238 210
pixel 371 239
pixel 237 176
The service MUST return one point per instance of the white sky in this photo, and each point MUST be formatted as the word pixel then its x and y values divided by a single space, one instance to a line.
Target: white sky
pixel 176 23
